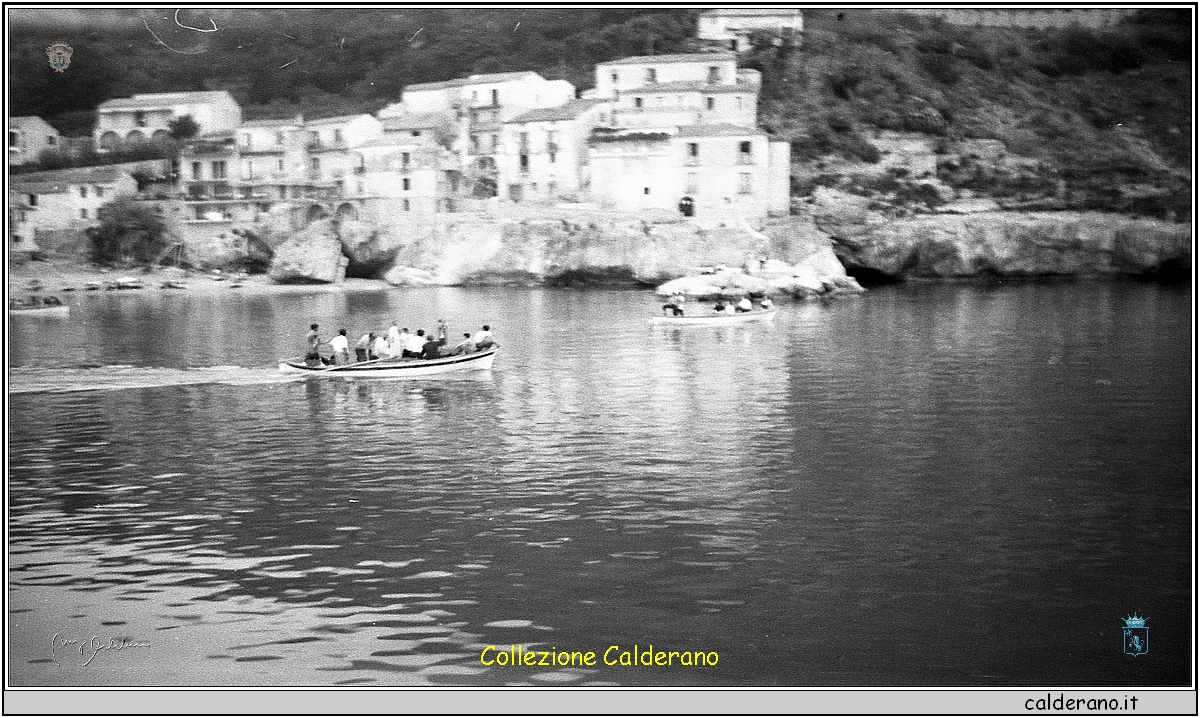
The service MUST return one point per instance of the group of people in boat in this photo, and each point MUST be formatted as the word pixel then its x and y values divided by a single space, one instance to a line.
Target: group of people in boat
pixel 395 344
pixel 35 301
pixel 676 301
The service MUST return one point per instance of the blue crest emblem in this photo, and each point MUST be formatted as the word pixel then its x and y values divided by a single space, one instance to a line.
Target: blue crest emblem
pixel 1136 635
pixel 60 55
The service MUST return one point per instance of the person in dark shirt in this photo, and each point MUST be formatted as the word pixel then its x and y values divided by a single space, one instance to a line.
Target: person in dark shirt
pixel 431 349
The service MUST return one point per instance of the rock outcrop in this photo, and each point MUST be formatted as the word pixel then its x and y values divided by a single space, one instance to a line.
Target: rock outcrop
pixel 1012 244
pixel 818 275
pixel 314 256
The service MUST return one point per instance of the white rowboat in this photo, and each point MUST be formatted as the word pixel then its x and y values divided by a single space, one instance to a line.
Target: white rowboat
pixel 760 315
pixel 397 368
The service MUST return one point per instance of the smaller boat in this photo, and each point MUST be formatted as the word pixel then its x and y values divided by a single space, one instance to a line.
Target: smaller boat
pixel 129 283
pixel 39 307
pixel 174 284
pixel 713 319
pixel 397 368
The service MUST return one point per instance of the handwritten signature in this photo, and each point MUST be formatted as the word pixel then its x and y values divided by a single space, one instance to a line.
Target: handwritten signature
pixel 91 647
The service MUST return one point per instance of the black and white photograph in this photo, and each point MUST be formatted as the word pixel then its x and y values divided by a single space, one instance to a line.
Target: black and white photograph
pixel 602 348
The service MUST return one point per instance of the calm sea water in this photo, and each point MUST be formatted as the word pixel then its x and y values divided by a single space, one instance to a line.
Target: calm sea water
pixel 929 485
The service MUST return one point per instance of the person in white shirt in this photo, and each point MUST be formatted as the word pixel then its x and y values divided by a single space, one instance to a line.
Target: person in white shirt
pixel 379 348
pixel 341 348
pixel 744 305
pixel 483 338
pixel 393 335
pixel 414 344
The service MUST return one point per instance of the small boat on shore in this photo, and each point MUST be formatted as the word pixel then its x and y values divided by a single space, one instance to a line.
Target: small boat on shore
pixel 396 368
pixel 695 320
pixel 55 308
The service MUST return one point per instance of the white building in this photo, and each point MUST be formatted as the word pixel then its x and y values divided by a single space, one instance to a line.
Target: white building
pixel 544 153
pixel 147 118
pixel 69 198
pixel 617 77
pixel 717 174
pixel 400 179
pixel 330 141
pixel 732 27
pixel 28 137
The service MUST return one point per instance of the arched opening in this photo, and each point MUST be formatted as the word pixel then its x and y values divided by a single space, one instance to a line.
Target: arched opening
pixel 160 137
pixel 109 140
pixel 135 138
pixel 346 211
pixel 315 212
pixel 687 207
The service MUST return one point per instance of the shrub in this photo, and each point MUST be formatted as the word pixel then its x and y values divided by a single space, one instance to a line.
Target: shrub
pixel 129 233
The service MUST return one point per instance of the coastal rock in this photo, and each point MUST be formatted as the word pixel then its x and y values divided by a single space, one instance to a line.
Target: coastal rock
pixel 370 250
pixel 411 277
pixel 314 256
pixel 1015 244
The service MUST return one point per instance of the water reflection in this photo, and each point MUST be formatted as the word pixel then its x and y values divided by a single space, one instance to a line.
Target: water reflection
pixel 815 500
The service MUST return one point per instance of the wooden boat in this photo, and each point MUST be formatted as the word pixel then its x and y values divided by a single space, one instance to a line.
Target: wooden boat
pixel 42 310
pixel 713 319
pixel 397 368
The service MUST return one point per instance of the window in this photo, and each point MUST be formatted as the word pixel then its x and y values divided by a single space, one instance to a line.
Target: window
pixel 495 97
pixel 279 138
pixel 693 182
pixel 744 157
pixel 524 163
pixel 474 96
pixel 552 188
pixel 645 190
pixel 83 213
pixel 710 103
pixel 99 191
pixel 51 140
pixel 416 133
pixel 140 118
pixel 614 78
pixel 195 170
pixel 337 135
pixel 637 103
pixel 218 169
pixel 14 139
pixel 279 165
pixel 407 206
pixel 83 192
pixel 693 153
pixel 553 156
pixel 651 76
pixel 714 75
pixel 33 200
pixel 744 186
pixel 246 140
pixel 404 158
pixel 315 164
pixel 475 144
pixel 495 142
pixel 739 101
pixel 406 183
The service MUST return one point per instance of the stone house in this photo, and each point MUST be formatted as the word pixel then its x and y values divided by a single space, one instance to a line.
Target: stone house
pixel 147 118
pixel 68 199
pixel 28 137
pixel 732 27
pixel 544 152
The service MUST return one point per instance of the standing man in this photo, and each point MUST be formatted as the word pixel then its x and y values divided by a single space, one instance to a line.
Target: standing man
pixel 341 348
pixel 363 345
pixel 312 340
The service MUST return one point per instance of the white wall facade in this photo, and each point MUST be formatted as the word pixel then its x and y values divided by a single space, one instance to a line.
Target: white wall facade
pixel 632 73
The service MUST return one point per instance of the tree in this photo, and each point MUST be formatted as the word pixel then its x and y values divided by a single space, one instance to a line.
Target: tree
pixel 183 127
pixel 129 233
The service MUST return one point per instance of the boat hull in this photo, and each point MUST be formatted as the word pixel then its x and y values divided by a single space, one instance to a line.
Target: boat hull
pixel 61 310
pixel 715 320
pixel 397 369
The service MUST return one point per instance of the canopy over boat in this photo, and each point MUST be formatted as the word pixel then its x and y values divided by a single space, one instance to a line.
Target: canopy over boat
pixel 397 368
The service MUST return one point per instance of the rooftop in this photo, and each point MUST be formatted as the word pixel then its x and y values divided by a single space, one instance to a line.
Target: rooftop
pixel 287 122
pixel 414 121
pixel 340 119
pixel 719 129
pixel 104 174
pixel 663 59
pixel 752 12
pixel 164 99
pixel 473 80
pixel 568 111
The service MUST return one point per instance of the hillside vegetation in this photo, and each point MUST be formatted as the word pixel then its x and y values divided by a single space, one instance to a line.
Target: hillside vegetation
pixel 1104 115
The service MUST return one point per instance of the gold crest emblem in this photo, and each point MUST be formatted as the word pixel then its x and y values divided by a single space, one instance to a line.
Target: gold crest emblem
pixel 60 55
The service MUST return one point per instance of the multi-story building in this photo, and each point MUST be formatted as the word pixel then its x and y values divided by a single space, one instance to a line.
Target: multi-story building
pixel 330 144
pixel 544 153
pixel 143 118
pixel 68 198
pixel 732 27
pixel 397 179
pixel 716 173
pixel 683 137
pixel 274 158
pixel 28 137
